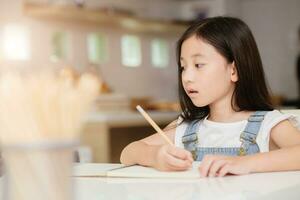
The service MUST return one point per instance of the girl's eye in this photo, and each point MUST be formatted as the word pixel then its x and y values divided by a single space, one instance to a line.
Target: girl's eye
pixel 182 68
pixel 199 65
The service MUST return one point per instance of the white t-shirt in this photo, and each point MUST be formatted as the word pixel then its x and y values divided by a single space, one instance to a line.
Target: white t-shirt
pixel 217 134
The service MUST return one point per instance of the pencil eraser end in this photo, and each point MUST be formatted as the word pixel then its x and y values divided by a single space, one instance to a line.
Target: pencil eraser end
pixel 138 107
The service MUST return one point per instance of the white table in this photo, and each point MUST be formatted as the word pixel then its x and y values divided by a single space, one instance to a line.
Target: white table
pixel 262 186
pixel 256 186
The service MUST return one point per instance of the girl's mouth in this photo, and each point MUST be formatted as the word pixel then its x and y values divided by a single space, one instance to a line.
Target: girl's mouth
pixel 192 91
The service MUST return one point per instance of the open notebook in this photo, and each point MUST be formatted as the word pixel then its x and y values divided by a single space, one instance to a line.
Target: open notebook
pixel 134 171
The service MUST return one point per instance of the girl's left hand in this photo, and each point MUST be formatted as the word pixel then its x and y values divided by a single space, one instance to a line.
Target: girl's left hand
pixel 219 165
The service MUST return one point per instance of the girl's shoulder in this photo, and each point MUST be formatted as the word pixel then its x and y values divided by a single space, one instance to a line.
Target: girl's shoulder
pixel 274 117
pixel 271 119
pixel 183 123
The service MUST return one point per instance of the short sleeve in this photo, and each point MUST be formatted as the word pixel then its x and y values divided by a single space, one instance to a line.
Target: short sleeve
pixel 271 119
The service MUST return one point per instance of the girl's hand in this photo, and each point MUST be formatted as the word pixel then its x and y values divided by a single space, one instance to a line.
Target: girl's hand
pixel 218 165
pixel 171 158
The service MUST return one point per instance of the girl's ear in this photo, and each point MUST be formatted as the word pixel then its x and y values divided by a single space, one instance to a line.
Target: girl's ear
pixel 234 74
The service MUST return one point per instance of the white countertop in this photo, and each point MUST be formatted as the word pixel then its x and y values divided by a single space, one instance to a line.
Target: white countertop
pixel 279 185
pixel 262 186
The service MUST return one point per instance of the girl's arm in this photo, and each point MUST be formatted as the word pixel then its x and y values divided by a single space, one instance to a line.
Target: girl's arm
pixel 284 135
pixel 153 151
pixel 287 157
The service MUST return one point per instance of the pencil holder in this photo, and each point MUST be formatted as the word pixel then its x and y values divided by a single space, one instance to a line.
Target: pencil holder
pixel 36 171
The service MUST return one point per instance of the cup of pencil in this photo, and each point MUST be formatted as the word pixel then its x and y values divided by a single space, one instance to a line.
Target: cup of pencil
pixel 40 119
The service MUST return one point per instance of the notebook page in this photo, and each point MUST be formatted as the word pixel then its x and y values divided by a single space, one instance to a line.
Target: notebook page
pixel 137 171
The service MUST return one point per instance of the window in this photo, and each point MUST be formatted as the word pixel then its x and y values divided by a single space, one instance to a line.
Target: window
pixel 60 46
pixel 131 51
pixel 160 53
pixel 97 48
pixel 16 43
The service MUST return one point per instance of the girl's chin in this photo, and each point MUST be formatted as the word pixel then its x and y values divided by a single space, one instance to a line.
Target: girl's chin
pixel 199 104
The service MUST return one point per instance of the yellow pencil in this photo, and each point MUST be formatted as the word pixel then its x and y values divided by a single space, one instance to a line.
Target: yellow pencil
pixel 153 124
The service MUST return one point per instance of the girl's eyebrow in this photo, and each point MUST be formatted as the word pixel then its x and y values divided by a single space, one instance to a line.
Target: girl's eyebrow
pixel 194 55
pixel 197 55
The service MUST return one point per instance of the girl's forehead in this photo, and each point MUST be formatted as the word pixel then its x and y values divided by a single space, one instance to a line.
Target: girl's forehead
pixel 196 47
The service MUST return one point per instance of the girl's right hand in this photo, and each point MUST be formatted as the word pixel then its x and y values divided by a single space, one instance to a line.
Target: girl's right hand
pixel 171 158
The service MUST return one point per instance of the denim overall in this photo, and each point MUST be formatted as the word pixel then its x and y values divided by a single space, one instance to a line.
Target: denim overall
pixel 247 138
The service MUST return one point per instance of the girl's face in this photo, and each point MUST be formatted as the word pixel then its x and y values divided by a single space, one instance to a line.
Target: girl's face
pixel 207 77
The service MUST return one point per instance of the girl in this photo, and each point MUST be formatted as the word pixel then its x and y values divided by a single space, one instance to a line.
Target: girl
pixel 228 121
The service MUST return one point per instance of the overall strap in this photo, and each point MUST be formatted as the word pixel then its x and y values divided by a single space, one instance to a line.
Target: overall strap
pixel 248 136
pixel 190 137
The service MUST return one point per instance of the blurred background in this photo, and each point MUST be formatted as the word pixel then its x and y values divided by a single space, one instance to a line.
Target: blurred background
pixel 130 45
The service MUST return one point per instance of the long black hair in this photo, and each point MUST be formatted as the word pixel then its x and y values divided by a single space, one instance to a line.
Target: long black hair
pixel 233 39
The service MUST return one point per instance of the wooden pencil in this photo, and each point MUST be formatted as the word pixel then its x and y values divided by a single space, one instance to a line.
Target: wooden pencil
pixel 153 124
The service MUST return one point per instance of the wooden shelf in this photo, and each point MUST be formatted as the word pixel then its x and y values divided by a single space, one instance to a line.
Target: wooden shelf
pixel 101 17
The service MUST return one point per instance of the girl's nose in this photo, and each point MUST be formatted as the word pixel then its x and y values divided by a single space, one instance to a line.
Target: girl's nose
pixel 188 75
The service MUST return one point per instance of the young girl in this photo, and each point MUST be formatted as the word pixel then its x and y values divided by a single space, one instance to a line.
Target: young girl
pixel 228 121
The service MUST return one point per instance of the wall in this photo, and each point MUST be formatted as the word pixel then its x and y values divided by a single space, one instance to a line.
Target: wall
pixel 274 24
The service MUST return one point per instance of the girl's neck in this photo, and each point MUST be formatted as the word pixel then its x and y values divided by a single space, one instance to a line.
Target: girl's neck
pixel 223 112
pixel 228 116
